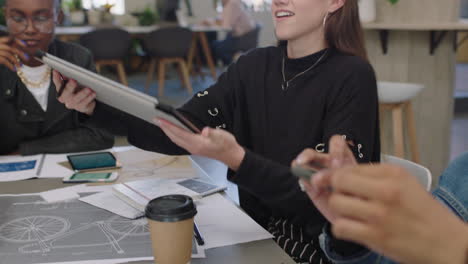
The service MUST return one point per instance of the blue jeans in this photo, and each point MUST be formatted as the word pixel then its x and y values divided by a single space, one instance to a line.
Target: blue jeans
pixel 451 192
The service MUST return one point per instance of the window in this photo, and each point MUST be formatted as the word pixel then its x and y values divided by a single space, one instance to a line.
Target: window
pixel 258 5
pixel 118 9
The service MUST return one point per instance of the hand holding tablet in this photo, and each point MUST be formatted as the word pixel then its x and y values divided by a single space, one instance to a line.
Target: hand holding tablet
pixel 109 92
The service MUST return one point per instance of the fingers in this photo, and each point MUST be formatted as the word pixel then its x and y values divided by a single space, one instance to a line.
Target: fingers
pixel 309 156
pixel 322 180
pixel 7 45
pixel 10 65
pixel 6 39
pixel 356 208
pixel 8 56
pixel 340 154
pixel 57 79
pixel 354 230
pixel 378 183
pixel 22 55
pixel 68 93
pixel 20 43
pixel 82 101
pixel 178 135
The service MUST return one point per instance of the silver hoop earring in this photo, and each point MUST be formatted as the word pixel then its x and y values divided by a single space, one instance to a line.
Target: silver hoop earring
pixel 325 20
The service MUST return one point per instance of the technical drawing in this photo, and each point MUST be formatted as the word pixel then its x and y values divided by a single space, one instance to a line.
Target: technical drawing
pixel 33 231
pixel 33 228
pixel 114 230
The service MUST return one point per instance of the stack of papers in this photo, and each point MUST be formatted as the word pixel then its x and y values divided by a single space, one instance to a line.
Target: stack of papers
pixel 139 193
pixel 130 199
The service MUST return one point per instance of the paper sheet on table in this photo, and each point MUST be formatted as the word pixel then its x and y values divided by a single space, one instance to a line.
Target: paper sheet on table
pixel 84 222
pixel 59 195
pixel 72 192
pixel 56 166
pixel 139 164
pixel 16 168
pixel 222 223
pixel 108 201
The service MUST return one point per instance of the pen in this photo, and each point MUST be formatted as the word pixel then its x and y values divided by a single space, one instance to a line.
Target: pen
pixel 198 236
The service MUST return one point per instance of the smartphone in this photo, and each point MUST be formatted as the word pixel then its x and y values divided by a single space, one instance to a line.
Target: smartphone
pixel 93 161
pixel 303 173
pixel 91 177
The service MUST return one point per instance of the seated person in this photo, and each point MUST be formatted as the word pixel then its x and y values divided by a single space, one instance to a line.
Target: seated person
pixel 267 116
pixel 386 209
pixel 167 10
pixel 33 120
pixel 236 18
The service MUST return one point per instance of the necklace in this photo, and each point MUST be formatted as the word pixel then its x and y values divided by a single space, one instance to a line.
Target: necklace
pixel 285 84
pixel 32 84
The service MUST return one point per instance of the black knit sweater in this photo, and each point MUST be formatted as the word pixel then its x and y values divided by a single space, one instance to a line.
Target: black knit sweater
pixel 338 96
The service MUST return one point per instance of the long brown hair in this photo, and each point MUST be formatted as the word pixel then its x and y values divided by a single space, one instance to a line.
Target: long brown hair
pixel 343 30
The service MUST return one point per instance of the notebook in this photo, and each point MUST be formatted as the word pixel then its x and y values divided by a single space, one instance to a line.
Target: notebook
pixel 139 193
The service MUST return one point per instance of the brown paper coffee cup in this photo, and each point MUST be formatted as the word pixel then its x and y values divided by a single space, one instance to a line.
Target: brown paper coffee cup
pixel 170 219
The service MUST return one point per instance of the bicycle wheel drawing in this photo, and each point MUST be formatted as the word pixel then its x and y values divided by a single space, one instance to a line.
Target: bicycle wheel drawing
pixel 127 227
pixel 33 228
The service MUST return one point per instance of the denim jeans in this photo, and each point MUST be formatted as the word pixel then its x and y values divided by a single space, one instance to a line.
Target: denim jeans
pixel 451 192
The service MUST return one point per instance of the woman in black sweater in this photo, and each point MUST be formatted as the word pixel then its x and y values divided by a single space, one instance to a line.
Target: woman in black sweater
pixel 271 104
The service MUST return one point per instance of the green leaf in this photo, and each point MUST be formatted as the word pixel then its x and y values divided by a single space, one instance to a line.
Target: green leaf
pixel 393 1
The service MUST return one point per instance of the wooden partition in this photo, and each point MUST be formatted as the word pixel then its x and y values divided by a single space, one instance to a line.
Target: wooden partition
pixel 418 11
pixel 409 60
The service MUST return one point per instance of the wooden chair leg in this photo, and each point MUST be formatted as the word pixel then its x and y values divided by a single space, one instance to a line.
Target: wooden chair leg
pixel 98 67
pixel 192 52
pixel 122 74
pixel 151 70
pixel 397 116
pixel 412 133
pixel 161 76
pixel 383 135
pixel 185 75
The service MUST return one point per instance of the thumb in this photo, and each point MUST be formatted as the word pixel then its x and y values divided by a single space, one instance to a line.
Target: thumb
pixel 206 132
pixel 57 79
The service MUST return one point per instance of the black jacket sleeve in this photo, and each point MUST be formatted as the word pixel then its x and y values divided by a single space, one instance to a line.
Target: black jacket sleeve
pixel 353 112
pixel 81 136
pixel 71 140
pixel 212 107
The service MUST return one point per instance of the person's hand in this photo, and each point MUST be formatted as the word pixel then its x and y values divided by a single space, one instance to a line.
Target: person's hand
pixel 9 47
pixel 318 189
pixel 386 209
pixel 207 22
pixel 212 143
pixel 80 100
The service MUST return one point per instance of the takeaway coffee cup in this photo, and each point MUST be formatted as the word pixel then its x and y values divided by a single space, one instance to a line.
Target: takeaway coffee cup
pixel 170 219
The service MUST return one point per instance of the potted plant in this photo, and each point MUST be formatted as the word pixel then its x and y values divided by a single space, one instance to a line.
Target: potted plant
pixel 106 15
pixel 77 15
pixel 148 17
pixel 368 10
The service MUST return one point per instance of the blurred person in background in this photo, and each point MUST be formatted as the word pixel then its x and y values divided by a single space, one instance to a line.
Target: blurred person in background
pixel 33 120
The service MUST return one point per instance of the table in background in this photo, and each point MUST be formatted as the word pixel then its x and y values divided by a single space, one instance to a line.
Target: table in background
pixel 73 33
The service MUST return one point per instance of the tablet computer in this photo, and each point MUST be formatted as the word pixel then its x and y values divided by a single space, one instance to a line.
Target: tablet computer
pixel 118 95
